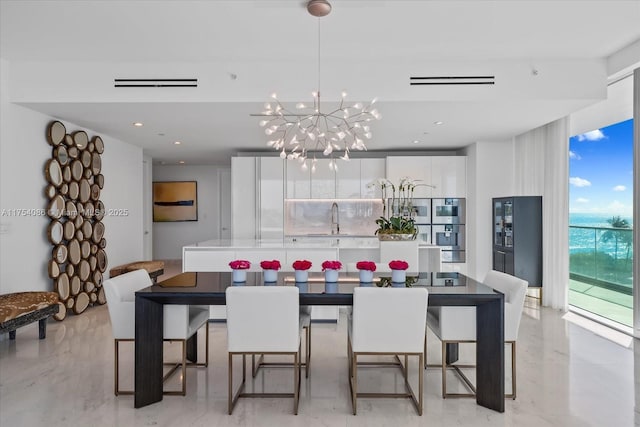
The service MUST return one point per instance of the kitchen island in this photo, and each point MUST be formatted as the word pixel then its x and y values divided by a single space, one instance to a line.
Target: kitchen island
pixel 215 255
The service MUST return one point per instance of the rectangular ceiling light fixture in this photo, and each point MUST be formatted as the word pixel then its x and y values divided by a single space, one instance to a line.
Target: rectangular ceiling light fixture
pixel 155 82
pixel 452 80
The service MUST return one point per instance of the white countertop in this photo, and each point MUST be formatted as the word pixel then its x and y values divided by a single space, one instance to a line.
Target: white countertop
pixel 342 242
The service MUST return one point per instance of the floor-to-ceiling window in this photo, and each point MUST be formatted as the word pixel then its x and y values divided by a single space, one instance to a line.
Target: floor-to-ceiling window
pixel 601 222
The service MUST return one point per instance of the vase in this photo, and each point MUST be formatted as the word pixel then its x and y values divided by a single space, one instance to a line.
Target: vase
pixel 302 276
pixel 398 276
pixel 330 275
pixel 366 276
pixel 239 276
pixel 270 275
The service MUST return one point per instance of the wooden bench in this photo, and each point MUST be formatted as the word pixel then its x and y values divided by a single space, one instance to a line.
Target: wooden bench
pixel 22 308
pixel 154 268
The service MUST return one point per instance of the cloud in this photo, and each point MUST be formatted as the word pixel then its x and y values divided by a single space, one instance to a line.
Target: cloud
pixel 619 188
pixel 579 182
pixel 594 135
pixel 574 155
pixel 616 206
pixel 582 200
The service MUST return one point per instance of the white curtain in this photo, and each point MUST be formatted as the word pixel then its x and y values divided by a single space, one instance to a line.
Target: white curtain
pixel 636 201
pixel 541 168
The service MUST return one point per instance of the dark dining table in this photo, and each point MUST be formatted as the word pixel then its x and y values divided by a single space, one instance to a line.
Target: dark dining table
pixel 445 289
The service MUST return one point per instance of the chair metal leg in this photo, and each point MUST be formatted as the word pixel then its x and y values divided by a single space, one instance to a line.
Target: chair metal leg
pixel 308 351
pixel 184 367
pixel 513 371
pixel 296 381
pixel 232 399
pixel 354 386
pixel 115 368
pixel 444 370
pixel 116 379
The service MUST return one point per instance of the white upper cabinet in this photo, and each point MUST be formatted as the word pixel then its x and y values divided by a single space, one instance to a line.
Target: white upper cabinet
pixel 371 170
pixel 323 181
pixel 348 179
pixel 298 180
pixel 417 168
pixel 449 175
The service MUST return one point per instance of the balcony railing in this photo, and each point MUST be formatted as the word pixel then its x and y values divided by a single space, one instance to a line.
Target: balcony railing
pixel 602 256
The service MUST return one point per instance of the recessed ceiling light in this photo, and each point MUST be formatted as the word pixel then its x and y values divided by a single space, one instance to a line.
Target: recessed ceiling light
pixel 181 162
pixel 438 123
pixel 138 124
pixel 415 141
pixel 177 143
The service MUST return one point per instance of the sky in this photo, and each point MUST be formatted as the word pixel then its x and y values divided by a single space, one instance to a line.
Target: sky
pixel 601 171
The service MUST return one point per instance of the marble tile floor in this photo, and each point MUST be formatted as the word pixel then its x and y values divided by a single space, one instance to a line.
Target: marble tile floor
pixel 567 376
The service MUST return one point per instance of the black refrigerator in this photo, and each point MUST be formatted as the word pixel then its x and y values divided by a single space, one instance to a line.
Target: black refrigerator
pixel 517 237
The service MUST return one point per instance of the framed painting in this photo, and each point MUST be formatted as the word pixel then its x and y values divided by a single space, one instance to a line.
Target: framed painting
pixel 175 201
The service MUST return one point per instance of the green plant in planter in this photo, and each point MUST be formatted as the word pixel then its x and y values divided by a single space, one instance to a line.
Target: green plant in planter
pixel 396 225
pixel 397 206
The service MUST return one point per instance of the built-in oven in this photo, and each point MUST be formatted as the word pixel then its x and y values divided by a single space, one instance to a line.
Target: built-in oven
pixel 421 211
pixel 448 211
pixel 448 236
pixel 451 239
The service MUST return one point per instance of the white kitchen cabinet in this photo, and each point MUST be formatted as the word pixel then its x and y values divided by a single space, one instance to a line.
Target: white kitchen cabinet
pixel 271 197
pixel 243 197
pixel 298 180
pixel 323 180
pixel 202 260
pixel 449 175
pixel 348 179
pixel 371 170
pixel 417 168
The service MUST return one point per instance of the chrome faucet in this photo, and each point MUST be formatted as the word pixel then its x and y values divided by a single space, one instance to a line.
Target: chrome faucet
pixel 335 219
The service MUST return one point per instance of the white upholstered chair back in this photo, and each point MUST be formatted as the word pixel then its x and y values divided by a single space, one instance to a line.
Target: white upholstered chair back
pixel 180 321
pixel 515 291
pixel 263 318
pixel 389 319
pixel 120 292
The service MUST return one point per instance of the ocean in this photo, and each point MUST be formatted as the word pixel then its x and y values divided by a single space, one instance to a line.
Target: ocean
pixel 585 239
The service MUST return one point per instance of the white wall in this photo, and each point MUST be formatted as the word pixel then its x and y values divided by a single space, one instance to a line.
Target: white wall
pixel 489 174
pixel 24 248
pixel 170 237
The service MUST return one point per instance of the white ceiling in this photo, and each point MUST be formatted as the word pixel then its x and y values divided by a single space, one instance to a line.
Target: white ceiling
pixel 368 47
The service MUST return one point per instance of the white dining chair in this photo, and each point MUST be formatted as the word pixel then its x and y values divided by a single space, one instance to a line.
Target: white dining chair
pixel 458 325
pixel 263 320
pixel 181 322
pixel 387 322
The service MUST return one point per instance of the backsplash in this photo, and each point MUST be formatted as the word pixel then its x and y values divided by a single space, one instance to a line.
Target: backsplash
pixel 304 217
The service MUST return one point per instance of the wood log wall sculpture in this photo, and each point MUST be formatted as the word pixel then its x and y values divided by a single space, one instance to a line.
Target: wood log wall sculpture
pixel 76 230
